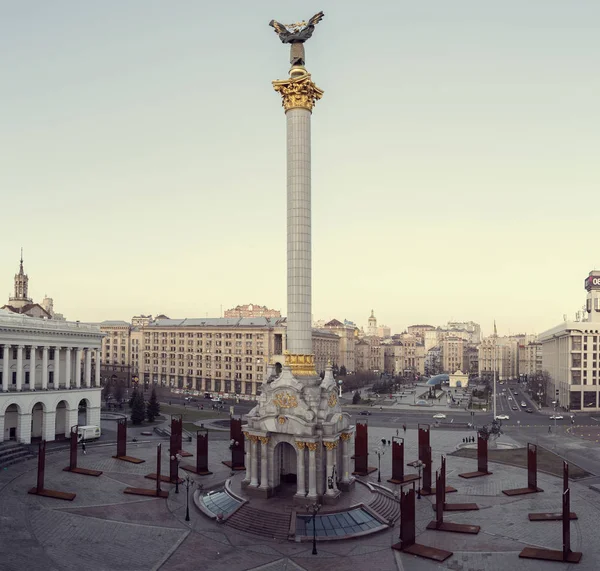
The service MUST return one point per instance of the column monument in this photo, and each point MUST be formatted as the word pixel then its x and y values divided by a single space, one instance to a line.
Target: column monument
pixel 297 410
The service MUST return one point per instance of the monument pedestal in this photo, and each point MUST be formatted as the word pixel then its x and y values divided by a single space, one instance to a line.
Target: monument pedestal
pixel 347 486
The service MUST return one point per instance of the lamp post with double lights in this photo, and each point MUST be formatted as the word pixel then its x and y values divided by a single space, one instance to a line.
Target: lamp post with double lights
pixel 419 465
pixel 176 458
pixel 314 508
pixel 380 452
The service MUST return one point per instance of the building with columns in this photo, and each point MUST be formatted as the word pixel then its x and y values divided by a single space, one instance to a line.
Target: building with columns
pixel 48 369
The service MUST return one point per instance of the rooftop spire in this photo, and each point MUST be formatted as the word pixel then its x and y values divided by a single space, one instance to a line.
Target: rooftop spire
pixel 21 266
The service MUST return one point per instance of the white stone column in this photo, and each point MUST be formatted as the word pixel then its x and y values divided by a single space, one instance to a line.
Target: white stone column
pixel 44 367
pixel 254 462
pixel 299 327
pixel 2 428
pixel 93 415
pixel 97 369
pixel 32 351
pixel 330 446
pixel 5 369
pixel 24 428
pixel 345 459
pixel 20 369
pixel 49 425
pixel 88 367
pixel 264 462
pixel 247 446
pixel 312 469
pixel 57 368
pixel 300 480
pixel 78 367
pixel 68 360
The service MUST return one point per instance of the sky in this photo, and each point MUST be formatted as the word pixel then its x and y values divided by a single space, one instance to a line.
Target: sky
pixel 455 157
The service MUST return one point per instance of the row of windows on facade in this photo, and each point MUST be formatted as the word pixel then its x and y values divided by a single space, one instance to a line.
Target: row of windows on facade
pixel 164 335
pixel 228 386
pixel 207 344
pixel 14 377
pixel 15 353
pixel 190 373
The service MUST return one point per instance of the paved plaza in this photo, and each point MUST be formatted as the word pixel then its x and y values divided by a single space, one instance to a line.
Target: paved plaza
pixel 105 529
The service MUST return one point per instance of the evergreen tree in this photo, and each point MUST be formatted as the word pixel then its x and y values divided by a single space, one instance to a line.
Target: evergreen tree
pixel 132 398
pixel 138 408
pixel 153 408
pixel 106 391
pixel 356 398
pixel 343 372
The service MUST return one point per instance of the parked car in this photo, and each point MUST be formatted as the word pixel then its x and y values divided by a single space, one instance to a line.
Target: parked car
pixel 515 407
pixel 365 412
pixel 524 404
pixel 502 417
pixel 556 417
pixel 439 415
pixel 528 410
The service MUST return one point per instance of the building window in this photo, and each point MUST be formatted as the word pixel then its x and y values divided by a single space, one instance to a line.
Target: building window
pixel 51 354
pixel 51 376
pixel 26 377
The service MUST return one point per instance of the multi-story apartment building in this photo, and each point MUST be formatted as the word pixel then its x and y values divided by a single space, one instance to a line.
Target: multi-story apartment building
pixel 501 354
pixel 252 310
pixel 571 355
pixel 419 330
pixel 370 355
pixel 473 329
pixel 530 360
pixel 453 354
pixel 347 334
pixel 116 355
pixel 326 348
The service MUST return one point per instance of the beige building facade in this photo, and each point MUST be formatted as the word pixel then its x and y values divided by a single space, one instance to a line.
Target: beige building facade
pixel 252 310
pixel 347 335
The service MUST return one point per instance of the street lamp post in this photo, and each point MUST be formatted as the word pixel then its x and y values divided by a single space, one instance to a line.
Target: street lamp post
pixel 176 458
pixel 419 466
pixel 188 483
pixel 379 453
pixel 314 508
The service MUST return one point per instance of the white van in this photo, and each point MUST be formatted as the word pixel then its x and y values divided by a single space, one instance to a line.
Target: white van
pixel 89 432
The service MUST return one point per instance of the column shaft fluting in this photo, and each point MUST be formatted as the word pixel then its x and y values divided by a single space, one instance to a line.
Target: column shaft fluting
pixel 254 464
pixel 312 472
pixel 330 491
pixel 32 367
pixel 88 367
pixel 68 368
pixel 5 367
pixel 345 461
pixel 300 480
pixel 264 464
pixel 45 367
pixel 299 327
pixel 78 368
pixel 56 375
pixel 20 368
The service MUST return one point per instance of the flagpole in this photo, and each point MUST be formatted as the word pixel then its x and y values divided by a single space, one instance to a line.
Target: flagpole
pixel 494 365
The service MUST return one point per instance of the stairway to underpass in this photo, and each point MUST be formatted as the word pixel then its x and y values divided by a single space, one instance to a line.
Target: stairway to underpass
pixel 259 522
pixel 385 506
pixel 11 452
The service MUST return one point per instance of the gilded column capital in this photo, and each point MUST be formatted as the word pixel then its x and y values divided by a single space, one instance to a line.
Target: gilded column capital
pixel 300 445
pixel 345 436
pixel 298 92
pixel 301 365
pixel 264 440
pixel 330 445
pixel 312 446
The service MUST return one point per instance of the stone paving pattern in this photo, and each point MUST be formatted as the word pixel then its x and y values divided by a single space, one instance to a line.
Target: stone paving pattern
pixel 104 529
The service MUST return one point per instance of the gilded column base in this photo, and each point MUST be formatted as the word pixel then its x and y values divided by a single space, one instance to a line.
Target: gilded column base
pixel 301 365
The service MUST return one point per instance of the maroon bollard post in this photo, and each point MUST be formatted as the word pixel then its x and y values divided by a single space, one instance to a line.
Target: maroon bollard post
pixel 556 516
pixel 40 490
pixel 482 459
pixel 122 443
pixel 398 476
pixel 72 467
pixel 423 440
pixel 425 458
pixel 177 431
pixel 201 454
pixel 236 445
pixel 407 542
pixel 361 451
pixel 532 487
pixel 154 492
pixel 446 490
pixel 440 494
pixel 565 554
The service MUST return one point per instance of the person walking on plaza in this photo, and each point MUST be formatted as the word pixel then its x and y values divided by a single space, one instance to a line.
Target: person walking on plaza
pixel 397 432
pixel 404 428
pixel 83 446
pixel 549 428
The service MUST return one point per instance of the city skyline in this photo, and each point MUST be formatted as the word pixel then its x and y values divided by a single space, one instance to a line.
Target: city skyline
pixel 148 148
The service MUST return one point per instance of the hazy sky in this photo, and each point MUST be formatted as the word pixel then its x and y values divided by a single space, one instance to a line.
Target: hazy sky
pixel 455 157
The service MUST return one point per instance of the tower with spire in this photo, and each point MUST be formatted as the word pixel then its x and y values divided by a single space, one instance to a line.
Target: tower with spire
pixel 372 327
pixel 20 299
